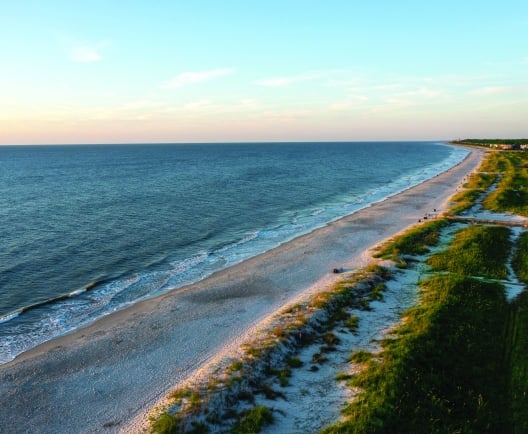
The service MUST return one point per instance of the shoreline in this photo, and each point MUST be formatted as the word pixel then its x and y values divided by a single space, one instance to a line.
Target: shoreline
pixel 83 376
pixel 70 310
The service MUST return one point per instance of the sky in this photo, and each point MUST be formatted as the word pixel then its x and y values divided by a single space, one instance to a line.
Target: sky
pixel 142 71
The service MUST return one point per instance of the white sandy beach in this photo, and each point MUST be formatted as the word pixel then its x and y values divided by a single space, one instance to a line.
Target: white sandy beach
pixel 103 377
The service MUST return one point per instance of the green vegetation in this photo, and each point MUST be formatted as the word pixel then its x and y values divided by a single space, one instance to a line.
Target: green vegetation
pixel 360 356
pixel 517 337
pixel 253 421
pixel 377 292
pixel 464 200
pixel 442 371
pixel 293 362
pixel 476 251
pixel 416 241
pixel 512 191
pixel 343 376
pixel 166 424
pixel 476 186
pixel 352 323
pixel 480 181
pixel 520 258
pixel 492 141
pixel 282 375
pixel 235 366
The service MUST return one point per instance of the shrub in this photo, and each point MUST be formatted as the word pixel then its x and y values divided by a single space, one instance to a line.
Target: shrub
pixel 166 424
pixel 352 323
pixel 294 362
pixel 253 421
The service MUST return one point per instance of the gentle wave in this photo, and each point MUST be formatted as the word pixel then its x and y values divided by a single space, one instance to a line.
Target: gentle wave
pixel 38 323
pixel 9 316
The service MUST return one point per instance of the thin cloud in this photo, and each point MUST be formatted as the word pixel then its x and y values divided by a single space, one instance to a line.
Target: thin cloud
pixel 288 80
pixel 193 77
pixel 490 90
pixel 427 92
pixel 200 105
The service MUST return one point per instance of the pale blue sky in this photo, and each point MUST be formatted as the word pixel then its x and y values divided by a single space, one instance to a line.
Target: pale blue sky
pixel 176 71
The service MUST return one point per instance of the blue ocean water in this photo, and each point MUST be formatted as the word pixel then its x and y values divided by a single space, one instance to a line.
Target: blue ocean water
pixel 87 230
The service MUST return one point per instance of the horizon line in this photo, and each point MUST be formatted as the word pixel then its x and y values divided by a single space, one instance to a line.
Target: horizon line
pixel 256 142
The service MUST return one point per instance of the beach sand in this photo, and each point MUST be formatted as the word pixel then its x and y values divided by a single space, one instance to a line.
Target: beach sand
pixel 103 378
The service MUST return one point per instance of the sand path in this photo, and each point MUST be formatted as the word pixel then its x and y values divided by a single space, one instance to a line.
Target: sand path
pixel 99 378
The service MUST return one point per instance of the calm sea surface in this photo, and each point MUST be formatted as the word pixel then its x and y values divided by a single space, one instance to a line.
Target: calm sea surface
pixel 87 230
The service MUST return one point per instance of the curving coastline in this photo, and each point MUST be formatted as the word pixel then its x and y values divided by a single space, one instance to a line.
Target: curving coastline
pixel 103 376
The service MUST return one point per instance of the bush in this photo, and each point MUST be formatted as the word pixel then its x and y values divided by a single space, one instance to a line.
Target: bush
pixel 352 323
pixel 253 421
pixel 166 424
pixel 294 362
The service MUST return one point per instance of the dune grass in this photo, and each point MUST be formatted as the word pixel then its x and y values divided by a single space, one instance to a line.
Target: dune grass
pixel 511 194
pixel 416 241
pixel 253 421
pixel 520 258
pixel 475 188
pixel 442 371
pixel 517 338
pixel 187 409
pixel 476 251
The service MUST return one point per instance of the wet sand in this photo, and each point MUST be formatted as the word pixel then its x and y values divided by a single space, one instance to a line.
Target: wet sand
pixel 100 378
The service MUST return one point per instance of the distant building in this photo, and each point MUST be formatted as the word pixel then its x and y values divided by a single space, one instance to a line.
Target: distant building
pixel 503 146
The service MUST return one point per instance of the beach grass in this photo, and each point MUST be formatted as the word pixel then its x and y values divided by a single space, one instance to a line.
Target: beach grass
pixel 517 338
pixel 271 358
pixel 442 370
pixel 475 251
pixel 253 421
pixel 475 189
pixel 520 258
pixel 511 194
pixel 415 241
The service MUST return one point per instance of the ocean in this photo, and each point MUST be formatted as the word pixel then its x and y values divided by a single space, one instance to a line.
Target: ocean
pixel 90 229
